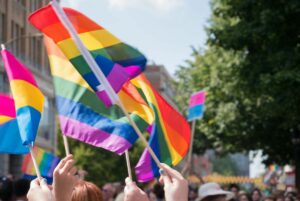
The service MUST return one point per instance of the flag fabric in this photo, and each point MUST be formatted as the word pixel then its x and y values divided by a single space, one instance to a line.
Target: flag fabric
pixel 127 62
pixel 196 107
pixel 45 161
pixel 10 138
pixel 170 133
pixel 27 96
pixel 84 117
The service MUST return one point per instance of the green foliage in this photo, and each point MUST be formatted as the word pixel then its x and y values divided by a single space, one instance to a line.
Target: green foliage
pixel 224 166
pixel 102 166
pixel 251 71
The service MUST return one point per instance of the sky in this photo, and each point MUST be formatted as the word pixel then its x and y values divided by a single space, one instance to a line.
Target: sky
pixel 163 30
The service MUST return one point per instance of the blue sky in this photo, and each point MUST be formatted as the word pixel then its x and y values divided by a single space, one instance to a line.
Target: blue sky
pixel 164 30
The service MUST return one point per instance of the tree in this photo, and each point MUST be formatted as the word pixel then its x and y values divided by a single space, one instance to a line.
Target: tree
pixel 251 70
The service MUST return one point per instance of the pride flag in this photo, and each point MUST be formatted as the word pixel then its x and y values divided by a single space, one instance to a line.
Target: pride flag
pixel 170 133
pixel 127 61
pixel 28 98
pixel 46 163
pixel 196 107
pixel 10 139
pixel 84 117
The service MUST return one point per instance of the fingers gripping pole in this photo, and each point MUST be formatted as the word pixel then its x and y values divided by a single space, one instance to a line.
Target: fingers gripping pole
pixel 128 165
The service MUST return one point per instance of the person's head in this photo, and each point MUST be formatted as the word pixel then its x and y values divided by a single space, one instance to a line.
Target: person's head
pixel 256 194
pixel 21 188
pixel 289 198
pixel 108 191
pixel 193 192
pixel 244 197
pixel 279 198
pixel 234 188
pixel 213 192
pixel 269 198
pixel 6 189
pixel 86 191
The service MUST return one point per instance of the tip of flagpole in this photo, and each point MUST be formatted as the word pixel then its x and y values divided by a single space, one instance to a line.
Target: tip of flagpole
pixel 2 46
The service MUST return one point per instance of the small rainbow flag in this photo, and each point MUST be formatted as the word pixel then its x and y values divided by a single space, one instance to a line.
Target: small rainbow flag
pixel 196 107
pixel 46 162
pixel 126 62
pixel 28 98
pixel 10 139
pixel 170 133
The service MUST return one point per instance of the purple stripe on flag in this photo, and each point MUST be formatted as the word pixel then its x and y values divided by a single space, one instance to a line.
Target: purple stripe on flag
pixel 53 166
pixel 93 136
pixel 197 98
pixel 133 71
pixel 143 169
pixel 117 77
pixel 102 95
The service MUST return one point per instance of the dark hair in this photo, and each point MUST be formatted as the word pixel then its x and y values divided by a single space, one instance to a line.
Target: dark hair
pixel 158 190
pixel 256 189
pixel 212 197
pixel 6 189
pixel 21 187
pixel 234 186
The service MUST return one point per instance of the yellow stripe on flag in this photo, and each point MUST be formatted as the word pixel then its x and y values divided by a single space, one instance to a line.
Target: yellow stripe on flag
pixel 26 94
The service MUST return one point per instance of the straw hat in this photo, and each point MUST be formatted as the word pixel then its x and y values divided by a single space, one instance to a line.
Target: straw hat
pixel 212 189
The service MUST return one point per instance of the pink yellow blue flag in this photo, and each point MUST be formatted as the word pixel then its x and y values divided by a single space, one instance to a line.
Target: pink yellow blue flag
pixel 196 107
pixel 10 139
pixel 27 96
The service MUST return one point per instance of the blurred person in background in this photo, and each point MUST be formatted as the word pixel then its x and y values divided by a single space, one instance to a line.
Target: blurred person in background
pixel 21 188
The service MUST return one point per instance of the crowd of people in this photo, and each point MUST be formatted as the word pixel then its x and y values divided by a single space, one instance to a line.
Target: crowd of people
pixel 172 186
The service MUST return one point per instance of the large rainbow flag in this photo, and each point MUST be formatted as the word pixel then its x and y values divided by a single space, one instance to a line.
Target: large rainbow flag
pixel 10 139
pixel 46 163
pixel 127 61
pixel 169 134
pixel 28 98
pixel 84 117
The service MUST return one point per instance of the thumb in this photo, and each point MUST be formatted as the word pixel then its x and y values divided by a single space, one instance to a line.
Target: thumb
pixel 43 183
pixel 164 178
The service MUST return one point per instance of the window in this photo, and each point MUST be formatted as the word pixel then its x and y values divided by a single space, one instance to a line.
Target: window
pixel 4 85
pixel 47 124
pixel 16 43
pixel 2 27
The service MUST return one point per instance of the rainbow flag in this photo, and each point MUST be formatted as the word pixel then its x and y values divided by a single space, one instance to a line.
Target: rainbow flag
pixel 84 117
pixel 28 98
pixel 170 133
pixel 126 62
pixel 10 139
pixel 196 107
pixel 46 162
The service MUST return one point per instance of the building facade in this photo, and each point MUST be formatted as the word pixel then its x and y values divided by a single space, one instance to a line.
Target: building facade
pixel 162 81
pixel 20 38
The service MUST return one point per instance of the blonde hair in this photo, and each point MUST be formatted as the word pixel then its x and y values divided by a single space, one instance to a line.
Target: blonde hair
pixel 86 191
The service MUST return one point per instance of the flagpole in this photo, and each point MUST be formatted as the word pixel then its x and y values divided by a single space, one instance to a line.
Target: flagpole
pixel 192 141
pixel 36 167
pixel 98 73
pixel 66 145
pixel 128 164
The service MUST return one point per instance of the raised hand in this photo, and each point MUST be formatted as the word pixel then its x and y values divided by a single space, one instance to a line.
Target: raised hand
pixel 175 186
pixel 133 193
pixel 64 179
